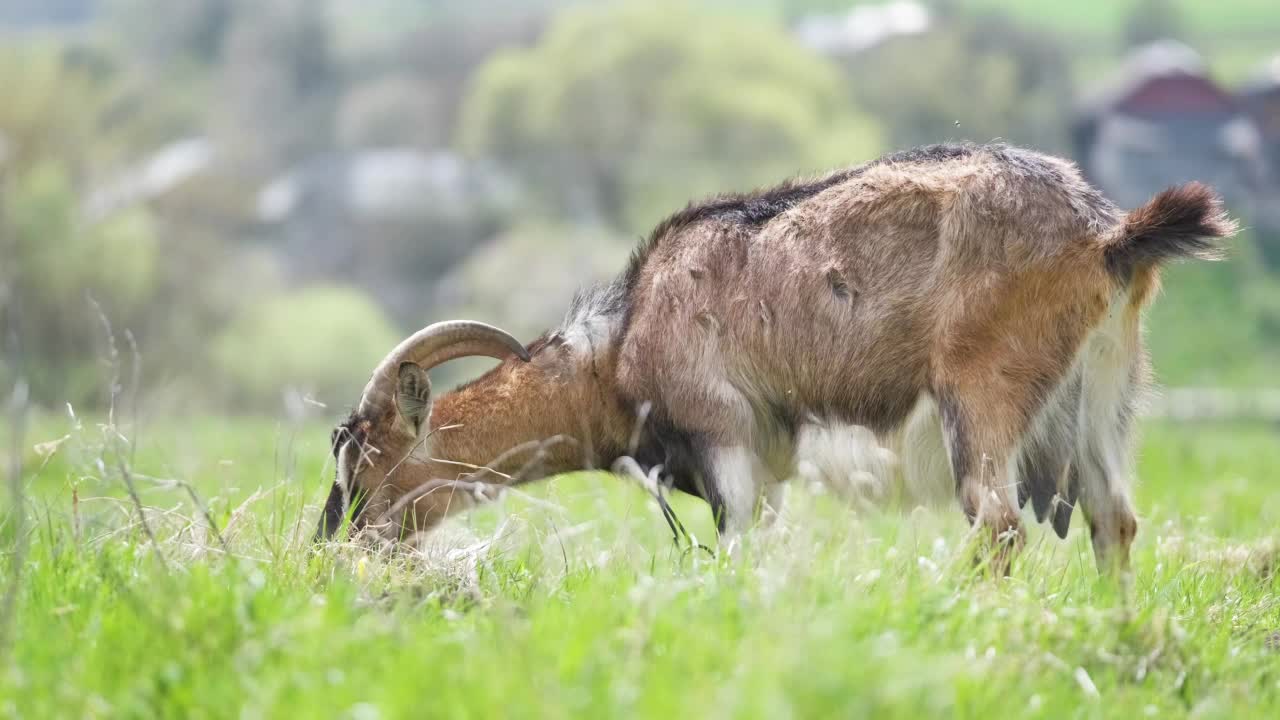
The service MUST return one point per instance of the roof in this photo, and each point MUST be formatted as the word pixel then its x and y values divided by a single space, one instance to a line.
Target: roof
pixel 1162 77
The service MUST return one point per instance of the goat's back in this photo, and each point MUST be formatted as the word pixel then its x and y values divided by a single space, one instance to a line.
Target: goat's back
pixel 844 297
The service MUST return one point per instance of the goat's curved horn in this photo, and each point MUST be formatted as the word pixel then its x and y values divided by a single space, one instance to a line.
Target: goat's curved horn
pixel 439 343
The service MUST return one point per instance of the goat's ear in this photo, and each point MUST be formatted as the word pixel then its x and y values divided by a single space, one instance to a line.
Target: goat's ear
pixel 413 396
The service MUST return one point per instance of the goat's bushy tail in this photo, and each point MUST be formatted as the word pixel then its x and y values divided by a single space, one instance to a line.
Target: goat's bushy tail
pixel 1180 222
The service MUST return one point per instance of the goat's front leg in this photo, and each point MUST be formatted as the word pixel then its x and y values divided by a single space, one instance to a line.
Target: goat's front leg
pixel 734 481
pixel 980 452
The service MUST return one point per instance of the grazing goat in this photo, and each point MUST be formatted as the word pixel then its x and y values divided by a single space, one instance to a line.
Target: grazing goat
pixel 977 308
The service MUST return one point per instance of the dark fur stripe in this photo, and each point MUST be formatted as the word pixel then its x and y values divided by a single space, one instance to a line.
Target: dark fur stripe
pixel 957 432
pixel 1061 520
pixel 331 516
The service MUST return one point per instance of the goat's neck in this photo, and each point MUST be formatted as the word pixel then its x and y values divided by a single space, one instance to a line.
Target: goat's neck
pixel 525 421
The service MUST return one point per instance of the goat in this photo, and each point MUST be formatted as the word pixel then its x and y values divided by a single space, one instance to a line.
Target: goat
pixel 977 307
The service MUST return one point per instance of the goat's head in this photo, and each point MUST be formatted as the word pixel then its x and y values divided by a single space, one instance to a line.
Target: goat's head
pixel 382 452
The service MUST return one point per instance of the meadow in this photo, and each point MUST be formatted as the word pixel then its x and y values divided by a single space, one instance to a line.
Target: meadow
pixel 569 599
pixel 160 564
pixel 1236 36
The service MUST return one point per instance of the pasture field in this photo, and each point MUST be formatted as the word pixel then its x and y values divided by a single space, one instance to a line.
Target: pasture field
pixel 569 599
pixel 1236 36
pixel 1101 16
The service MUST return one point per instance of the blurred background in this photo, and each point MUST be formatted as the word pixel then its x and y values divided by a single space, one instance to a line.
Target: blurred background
pixel 241 205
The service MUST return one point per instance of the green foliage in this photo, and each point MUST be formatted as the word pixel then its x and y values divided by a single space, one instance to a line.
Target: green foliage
pixel 59 257
pixel 49 109
pixel 979 79
pixel 55 256
pixel 631 109
pixel 323 341
pixel 56 264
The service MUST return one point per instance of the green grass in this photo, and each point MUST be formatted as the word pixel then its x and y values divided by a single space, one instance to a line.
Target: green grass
pixel 1097 17
pixel 1205 307
pixel 571 602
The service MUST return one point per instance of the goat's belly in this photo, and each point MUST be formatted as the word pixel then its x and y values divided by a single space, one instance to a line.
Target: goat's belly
pixel 906 467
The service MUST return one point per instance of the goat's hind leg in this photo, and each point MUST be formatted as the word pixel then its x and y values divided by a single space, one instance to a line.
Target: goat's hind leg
pixel 1103 458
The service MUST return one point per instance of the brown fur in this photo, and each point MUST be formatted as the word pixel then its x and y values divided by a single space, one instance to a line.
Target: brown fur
pixel 519 422
pixel 972 275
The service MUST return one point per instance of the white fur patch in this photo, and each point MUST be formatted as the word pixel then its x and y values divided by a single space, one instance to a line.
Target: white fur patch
pixel 343 480
pixel 1107 364
pixel 592 319
pixel 744 480
pixel 910 465
pixel 926 461
pixel 846 459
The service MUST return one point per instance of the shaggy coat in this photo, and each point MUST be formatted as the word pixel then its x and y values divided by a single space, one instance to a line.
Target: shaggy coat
pixel 976 308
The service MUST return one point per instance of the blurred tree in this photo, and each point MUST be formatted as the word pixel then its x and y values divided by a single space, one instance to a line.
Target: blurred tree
pixel 154 265
pixel 365 29
pixel 278 84
pixel 626 111
pixel 50 258
pixel 388 220
pixel 394 110
pixel 53 264
pixel 1152 20
pixel 287 343
pixel 443 54
pixel 49 111
pixel 207 275
pixel 166 32
pixel 518 279
pixel 974 78
pixel 163 58
pixel 524 280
